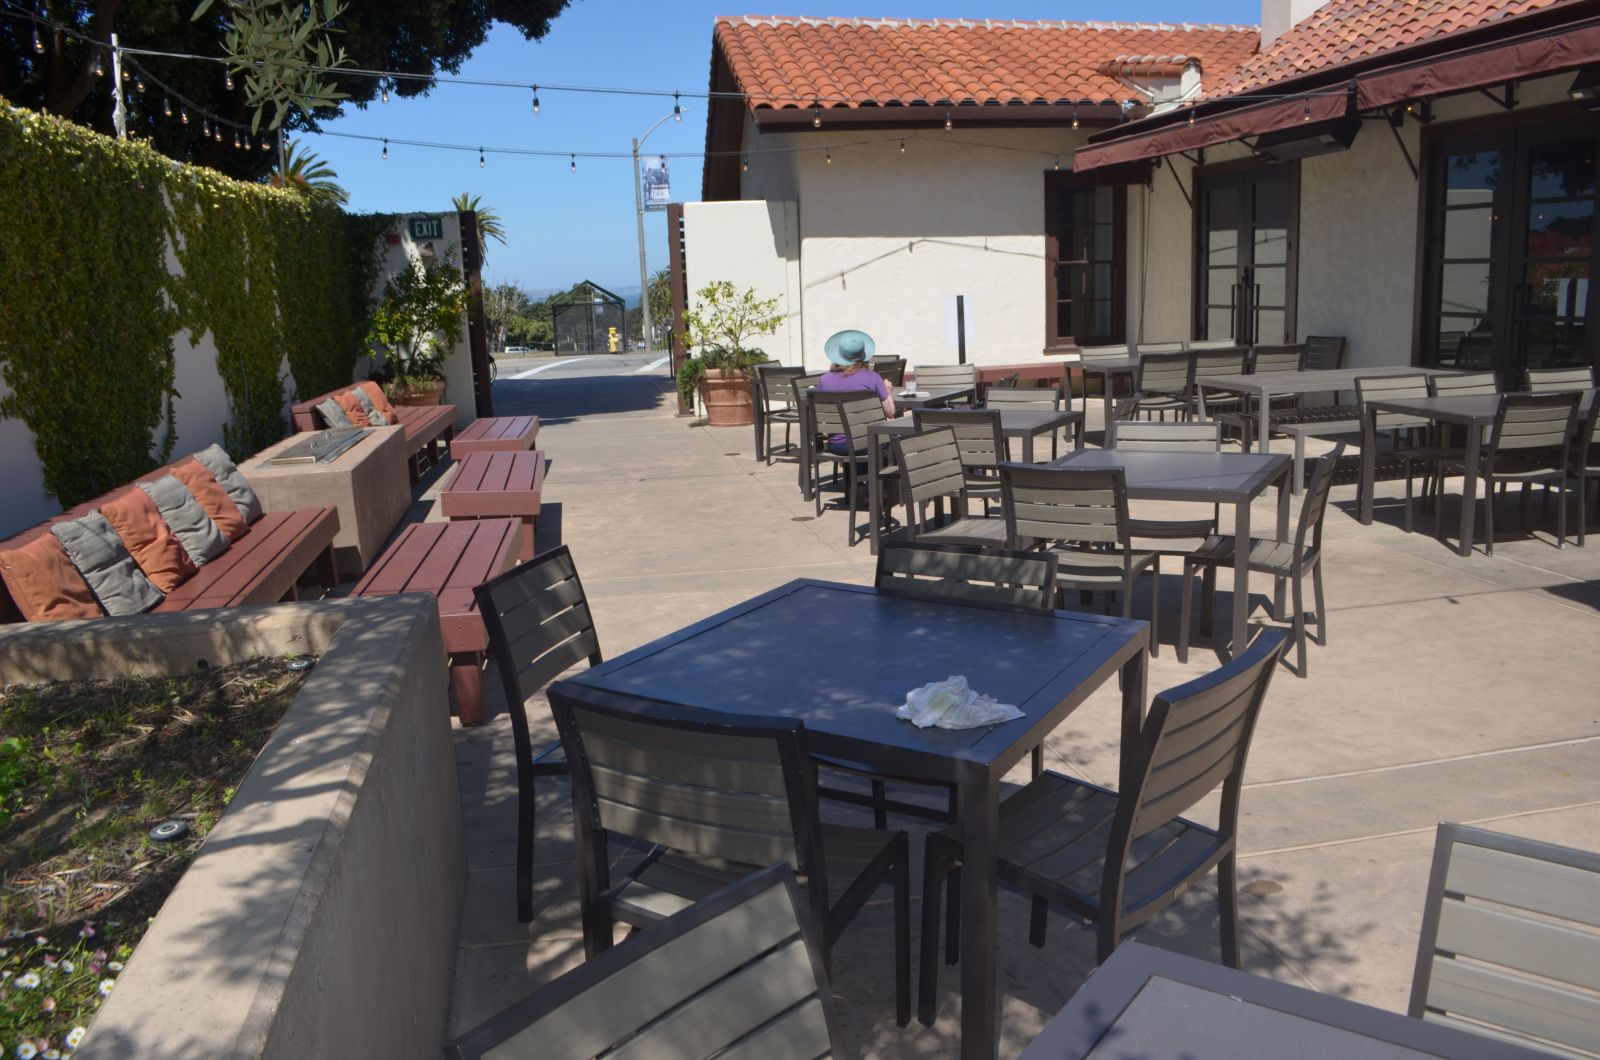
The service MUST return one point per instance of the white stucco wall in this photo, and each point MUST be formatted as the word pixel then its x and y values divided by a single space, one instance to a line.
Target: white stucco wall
pixel 886 236
pixel 753 244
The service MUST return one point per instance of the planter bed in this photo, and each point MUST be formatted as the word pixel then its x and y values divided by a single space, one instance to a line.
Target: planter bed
pixel 87 769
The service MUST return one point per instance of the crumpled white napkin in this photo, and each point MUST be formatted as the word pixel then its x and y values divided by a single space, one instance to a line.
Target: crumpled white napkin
pixel 950 704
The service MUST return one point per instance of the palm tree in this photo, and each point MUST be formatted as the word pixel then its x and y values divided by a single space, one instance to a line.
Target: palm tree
pixel 308 174
pixel 489 226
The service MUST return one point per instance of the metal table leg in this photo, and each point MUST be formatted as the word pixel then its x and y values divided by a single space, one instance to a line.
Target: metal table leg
pixel 1283 532
pixel 979 808
pixel 1241 577
pixel 1369 464
pixel 1469 491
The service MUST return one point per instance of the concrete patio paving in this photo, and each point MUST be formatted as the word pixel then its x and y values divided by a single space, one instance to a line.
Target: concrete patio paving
pixel 1452 689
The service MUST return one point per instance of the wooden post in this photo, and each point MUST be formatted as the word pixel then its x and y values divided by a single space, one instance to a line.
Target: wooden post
pixel 477 331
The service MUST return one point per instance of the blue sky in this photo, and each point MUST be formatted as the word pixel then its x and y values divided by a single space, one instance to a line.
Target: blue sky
pixel 565 227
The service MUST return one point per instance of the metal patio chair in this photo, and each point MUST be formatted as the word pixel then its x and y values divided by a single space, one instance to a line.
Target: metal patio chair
pixel 1081 515
pixel 1146 437
pixel 892 369
pixel 1291 559
pixel 1530 442
pixel 1583 464
pixel 1229 360
pixel 774 404
pixel 1510 943
pixel 1117 859
pixel 996 578
pixel 1034 399
pixel 1209 344
pixel 1421 448
pixel 1264 360
pixel 720 797
pixel 848 413
pixel 932 472
pixel 940 376
pixel 1161 347
pixel 1162 383
pixel 982 445
pixel 1558 380
pixel 739 973
pixel 539 626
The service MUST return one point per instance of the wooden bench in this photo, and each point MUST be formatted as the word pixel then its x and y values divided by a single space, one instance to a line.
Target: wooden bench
pixel 262 567
pixel 450 560
pixel 496 434
pixel 428 428
pixel 497 485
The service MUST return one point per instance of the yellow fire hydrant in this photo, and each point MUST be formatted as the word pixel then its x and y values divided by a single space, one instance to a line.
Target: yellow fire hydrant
pixel 613 340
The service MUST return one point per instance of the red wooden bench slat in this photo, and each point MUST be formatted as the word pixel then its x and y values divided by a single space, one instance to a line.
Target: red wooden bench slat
pixel 393 571
pixel 276 563
pixel 436 569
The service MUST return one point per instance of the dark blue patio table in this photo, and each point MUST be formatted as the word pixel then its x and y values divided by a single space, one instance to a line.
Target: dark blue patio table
pixel 842 657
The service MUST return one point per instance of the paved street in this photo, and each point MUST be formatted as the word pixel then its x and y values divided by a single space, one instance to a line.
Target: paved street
pixel 1452 689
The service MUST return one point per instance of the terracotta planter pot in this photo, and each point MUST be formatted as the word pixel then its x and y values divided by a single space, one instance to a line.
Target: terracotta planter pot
pixel 725 396
pixel 429 395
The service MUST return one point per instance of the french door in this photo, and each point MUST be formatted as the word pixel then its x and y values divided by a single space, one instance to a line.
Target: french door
pixel 1246 223
pixel 1509 249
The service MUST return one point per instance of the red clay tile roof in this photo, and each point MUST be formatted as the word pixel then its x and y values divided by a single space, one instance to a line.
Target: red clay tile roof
pixel 1345 30
pixel 789 62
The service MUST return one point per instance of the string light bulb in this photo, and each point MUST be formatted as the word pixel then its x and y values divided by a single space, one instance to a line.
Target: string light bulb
pixel 138 84
pixel 481 160
pixel 744 164
pixel 237 144
pixel 385 155
pixel 1307 115
pixel 99 67
pixel 227 80
pixel 1191 115
pixel 948 123
pixel 166 106
pixel 677 109
pixel 1057 166
pixel 574 163
pixel 535 99
pixel 38 42
pixel 205 126
pixel 265 146
pixel 828 156
pixel 183 113
pixel 385 94
pixel 816 114
pixel 1074 117
pixel 127 75
pixel 902 147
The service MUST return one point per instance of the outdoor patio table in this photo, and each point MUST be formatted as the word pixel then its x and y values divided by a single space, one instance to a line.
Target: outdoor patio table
pixel 878 648
pixel 1268 385
pixel 934 397
pixel 1108 370
pixel 1160 1005
pixel 1212 478
pixel 1026 424
pixel 1475 412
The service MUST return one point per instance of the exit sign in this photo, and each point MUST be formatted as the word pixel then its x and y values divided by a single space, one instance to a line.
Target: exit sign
pixel 427 228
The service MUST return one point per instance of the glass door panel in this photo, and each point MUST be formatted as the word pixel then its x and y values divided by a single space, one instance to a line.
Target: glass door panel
pixel 1557 255
pixel 1245 258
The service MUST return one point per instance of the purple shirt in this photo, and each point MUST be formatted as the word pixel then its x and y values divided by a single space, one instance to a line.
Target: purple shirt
pixel 865 379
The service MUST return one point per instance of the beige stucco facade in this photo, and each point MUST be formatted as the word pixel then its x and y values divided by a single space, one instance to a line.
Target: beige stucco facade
pixel 886 236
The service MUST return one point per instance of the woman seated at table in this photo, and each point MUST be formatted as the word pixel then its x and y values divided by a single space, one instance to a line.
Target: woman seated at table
pixel 849 352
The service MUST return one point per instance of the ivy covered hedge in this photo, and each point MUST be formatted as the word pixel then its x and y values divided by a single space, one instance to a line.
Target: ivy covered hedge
pixel 90 310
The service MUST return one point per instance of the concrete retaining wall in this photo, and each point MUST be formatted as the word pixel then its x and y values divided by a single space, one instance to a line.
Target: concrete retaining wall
pixel 321 915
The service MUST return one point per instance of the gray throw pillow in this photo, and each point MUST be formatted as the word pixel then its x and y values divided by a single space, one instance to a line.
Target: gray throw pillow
pixel 375 415
pixel 332 414
pixel 103 560
pixel 215 460
pixel 188 521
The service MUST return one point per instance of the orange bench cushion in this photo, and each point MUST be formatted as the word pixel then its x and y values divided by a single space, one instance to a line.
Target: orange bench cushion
pixel 149 540
pixel 353 408
pixel 44 583
pixel 212 497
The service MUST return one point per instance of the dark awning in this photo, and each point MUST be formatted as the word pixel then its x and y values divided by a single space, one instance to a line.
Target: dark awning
pixel 1485 63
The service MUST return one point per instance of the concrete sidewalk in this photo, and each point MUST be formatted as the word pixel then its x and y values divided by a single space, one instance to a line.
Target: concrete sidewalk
pixel 1452 689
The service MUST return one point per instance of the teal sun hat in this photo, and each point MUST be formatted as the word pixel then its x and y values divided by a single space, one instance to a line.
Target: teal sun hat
pixel 850 347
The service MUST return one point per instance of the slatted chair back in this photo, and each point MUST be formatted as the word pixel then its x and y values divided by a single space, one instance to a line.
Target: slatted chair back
pixel 1091 354
pixel 1151 436
pixel 1510 944
pixel 1161 347
pixel 1265 360
pixel 1314 503
pixel 800 385
pixel 1164 373
pixel 1002 579
pixel 737 974
pixel 1228 360
pixel 1466 384
pixel 1007 382
pixel 1323 352
pixel 943 376
pixel 775 385
pixel 1194 740
pixel 847 412
pixel 1072 505
pixel 539 626
pixel 1023 397
pixel 1556 380
pixel 1392 388
pixel 1533 422
pixel 930 467
pixel 978 435
pixel 892 369
pixel 710 785
pixel 1209 344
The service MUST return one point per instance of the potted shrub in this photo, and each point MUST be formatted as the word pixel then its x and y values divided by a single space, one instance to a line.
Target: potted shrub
pixel 414 325
pixel 717 328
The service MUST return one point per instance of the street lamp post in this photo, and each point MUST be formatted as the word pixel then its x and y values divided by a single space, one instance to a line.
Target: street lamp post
pixel 638 209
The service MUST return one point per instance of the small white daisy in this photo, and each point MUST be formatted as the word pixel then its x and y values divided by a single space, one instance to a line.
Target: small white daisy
pixel 68 967
pixel 48 1004
pixel 50 1054
pixel 115 966
pixel 75 1035
pixel 27 1051
pixel 105 987
pixel 28 980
